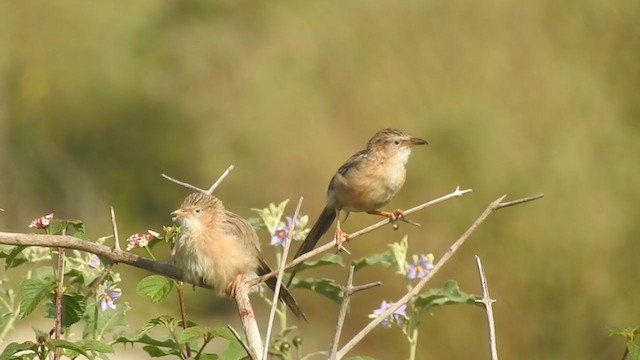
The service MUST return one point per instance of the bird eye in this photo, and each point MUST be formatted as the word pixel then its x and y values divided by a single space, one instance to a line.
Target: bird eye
pixel 197 211
pixel 396 141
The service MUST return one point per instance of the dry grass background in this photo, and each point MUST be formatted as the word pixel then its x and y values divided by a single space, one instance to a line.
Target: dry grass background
pixel 98 99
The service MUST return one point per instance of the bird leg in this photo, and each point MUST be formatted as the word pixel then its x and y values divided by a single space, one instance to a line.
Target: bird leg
pixel 393 216
pixel 341 236
pixel 233 285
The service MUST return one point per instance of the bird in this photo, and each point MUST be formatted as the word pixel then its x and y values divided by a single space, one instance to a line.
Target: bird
pixel 219 248
pixel 367 181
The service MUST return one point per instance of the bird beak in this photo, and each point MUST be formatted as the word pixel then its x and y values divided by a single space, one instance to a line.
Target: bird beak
pixel 417 141
pixel 176 214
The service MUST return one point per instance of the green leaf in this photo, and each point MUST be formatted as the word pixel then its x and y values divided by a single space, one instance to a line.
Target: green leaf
pixel 157 287
pixel 449 294
pixel 235 350
pixel 627 332
pixel 57 226
pixel 14 348
pixel 216 357
pixel 32 292
pixel 144 338
pixel 326 287
pixel 79 226
pixel 191 334
pixel 12 260
pixel 271 215
pixel 64 344
pixel 73 306
pixel 326 259
pixel 95 345
pixel 162 320
pixel 155 351
pixel 634 350
pixel 386 259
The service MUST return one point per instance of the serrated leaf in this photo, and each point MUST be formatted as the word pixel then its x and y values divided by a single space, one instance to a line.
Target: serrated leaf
pixel 156 287
pixel 326 259
pixel 32 292
pixel 325 287
pixel 78 225
pixel 73 307
pixel 385 259
pixel 64 344
pixel 449 294
pixel 13 348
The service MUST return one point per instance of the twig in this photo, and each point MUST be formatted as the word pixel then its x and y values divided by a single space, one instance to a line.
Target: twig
pixel 276 291
pixel 487 301
pixel 347 291
pixel 192 187
pixel 114 225
pixel 416 290
pixel 183 312
pixel 331 244
pixel 112 255
pixel 57 324
pixel 237 336
pixel 248 320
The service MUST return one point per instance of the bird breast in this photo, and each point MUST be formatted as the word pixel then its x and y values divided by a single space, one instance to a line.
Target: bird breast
pixel 212 257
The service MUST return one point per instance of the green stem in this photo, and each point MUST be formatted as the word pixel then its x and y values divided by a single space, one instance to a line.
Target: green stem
pixel 413 343
pixel 150 254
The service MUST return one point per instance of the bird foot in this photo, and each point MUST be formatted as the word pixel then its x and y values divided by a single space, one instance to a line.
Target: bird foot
pixel 393 216
pixel 233 285
pixel 341 238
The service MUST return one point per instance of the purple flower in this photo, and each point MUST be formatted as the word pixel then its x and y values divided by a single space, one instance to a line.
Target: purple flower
pixel 420 268
pixel 397 317
pixel 94 262
pixel 41 222
pixel 282 231
pixel 108 296
pixel 140 240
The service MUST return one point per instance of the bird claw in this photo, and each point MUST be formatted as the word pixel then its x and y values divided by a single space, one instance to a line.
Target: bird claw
pixel 398 214
pixel 340 239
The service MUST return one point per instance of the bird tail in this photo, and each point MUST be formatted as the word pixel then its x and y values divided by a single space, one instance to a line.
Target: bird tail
pixel 285 296
pixel 319 228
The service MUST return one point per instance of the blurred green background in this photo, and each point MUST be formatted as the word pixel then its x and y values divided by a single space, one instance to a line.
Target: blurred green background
pixel 97 99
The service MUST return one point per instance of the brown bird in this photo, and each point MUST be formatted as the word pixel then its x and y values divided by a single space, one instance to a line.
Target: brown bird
pixel 366 182
pixel 218 248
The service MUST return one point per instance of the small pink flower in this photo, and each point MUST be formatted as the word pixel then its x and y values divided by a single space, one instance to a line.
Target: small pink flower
pixel 141 240
pixel 41 222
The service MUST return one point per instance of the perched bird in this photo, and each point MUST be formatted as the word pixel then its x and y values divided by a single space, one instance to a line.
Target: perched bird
pixel 218 248
pixel 365 183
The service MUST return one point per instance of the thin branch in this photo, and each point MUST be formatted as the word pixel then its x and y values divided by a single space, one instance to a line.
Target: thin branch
pixel 487 301
pixel 183 312
pixel 276 291
pixel 192 187
pixel 237 336
pixel 114 225
pixel 57 324
pixel 348 290
pixel 248 320
pixel 112 255
pixel 521 201
pixel 331 244
pixel 416 290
